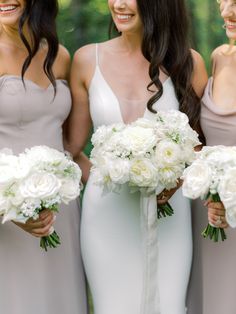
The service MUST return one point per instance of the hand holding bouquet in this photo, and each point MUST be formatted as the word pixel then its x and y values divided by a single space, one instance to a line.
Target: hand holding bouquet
pixel 39 178
pixel 148 155
pixel 213 176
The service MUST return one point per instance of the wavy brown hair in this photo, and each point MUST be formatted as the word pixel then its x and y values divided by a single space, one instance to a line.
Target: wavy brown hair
pixel 40 16
pixel 166 46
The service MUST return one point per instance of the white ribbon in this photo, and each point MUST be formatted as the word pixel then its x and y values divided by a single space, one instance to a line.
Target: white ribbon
pixel 150 303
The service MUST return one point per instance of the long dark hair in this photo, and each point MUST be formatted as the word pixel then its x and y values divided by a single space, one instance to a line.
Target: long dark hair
pixel 166 46
pixel 40 16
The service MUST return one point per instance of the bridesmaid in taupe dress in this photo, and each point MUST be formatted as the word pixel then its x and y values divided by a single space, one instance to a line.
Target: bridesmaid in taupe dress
pixel 213 282
pixel 33 281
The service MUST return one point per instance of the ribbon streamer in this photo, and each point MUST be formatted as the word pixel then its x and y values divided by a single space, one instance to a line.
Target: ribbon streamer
pixel 150 303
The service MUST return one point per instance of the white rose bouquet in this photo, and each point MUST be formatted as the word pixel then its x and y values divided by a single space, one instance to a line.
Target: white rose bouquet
pixel 213 175
pixel 39 178
pixel 148 155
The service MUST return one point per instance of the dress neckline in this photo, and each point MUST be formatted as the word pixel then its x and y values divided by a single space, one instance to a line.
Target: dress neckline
pixel 112 93
pixel 42 88
pixel 208 102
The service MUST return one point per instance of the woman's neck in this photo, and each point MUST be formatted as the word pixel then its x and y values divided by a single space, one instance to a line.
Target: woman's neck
pixel 131 42
pixel 10 35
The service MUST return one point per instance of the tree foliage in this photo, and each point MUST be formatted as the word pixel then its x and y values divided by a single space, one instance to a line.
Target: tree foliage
pixel 85 21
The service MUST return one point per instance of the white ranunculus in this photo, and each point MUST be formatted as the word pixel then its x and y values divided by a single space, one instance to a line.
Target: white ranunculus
pixel 168 153
pixel 143 173
pixel 227 188
pixel 169 176
pixel 119 171
pixel 70 190
pixel 197 180
pixel 40 185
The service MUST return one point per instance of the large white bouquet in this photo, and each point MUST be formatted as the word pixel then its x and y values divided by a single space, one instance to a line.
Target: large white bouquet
pixel 39 178
pixel 213 175
pixel 149 155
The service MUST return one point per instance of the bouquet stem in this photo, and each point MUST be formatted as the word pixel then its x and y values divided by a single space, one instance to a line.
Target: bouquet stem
pixel 52 241
pixel 213 232
pixel 164 210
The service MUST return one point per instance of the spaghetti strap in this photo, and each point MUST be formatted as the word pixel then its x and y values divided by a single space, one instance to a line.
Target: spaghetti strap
pixel 97 60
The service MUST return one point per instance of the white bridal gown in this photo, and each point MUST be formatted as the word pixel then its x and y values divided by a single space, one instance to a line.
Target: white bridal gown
pixel 130 270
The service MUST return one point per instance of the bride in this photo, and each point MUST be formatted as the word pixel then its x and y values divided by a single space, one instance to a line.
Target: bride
pixel 147 68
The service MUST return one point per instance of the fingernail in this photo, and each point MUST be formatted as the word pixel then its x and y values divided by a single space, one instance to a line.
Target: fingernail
pixel 54 218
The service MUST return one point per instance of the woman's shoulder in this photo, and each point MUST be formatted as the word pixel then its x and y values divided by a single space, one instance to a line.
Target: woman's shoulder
pixel 87 53
pixel 223 51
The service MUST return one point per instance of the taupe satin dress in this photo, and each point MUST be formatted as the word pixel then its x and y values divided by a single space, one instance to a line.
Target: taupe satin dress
pixel 212 288
pixel 33 281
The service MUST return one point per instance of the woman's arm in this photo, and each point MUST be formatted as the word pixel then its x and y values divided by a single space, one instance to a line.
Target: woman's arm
pixel 79 123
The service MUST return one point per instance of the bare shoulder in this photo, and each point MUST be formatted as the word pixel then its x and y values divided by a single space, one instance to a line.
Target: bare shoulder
pixel 200 77
pixel 87 54
pixel 219 51
pixel 197 59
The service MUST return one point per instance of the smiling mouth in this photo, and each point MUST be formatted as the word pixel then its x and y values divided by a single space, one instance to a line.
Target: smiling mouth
pixel 124 17
pixel 7 8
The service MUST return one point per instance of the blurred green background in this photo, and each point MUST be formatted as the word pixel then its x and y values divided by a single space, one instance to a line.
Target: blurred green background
pixel 85 21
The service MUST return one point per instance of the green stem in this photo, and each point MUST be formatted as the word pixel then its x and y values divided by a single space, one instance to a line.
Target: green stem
pixel 164 210
pixel 211 232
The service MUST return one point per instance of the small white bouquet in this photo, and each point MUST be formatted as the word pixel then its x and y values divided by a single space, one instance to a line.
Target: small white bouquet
pixel 39 178
pixel 213 175
pixel 149 155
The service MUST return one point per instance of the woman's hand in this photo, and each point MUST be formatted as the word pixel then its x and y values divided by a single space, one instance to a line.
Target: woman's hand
pixel 165 195
pixel 216 214
pixel 42 226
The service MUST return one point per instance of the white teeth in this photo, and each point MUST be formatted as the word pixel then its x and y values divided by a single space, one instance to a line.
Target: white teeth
pixel 8 8
pixel 124 17
pixel 231 24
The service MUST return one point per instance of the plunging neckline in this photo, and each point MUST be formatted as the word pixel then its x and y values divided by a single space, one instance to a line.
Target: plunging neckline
pixel 116 99
pixel 16 77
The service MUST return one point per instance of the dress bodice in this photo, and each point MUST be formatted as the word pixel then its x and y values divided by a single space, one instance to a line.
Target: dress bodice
pixel 218 125
pixel 104 104
pixel 31 115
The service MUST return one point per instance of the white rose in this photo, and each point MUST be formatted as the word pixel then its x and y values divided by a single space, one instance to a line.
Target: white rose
pixel 173 118
pixel 119 171
pixel 231 216
pixel 103 133
pixel 144 123
pixel 221 156
pixel 139 140
pixel 22 168
pixel 40 185
pixel 143 173
pixel 44 154
pixel 227 189
pixel 8 165
pixel 197 179
pixel 70 190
